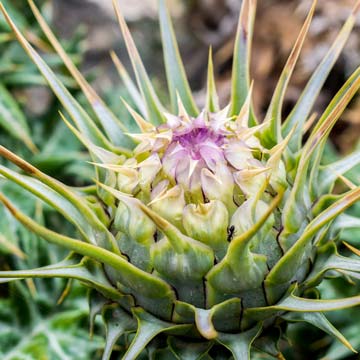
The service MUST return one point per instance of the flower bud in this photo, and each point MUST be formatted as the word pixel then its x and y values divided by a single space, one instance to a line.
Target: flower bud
pixel 219 186
pixel 130 220
pixel 208 223
pixel 148 170
pixel 127 180
pixel 170 204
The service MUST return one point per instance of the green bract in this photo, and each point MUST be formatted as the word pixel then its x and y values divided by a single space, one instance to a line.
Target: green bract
pixel 205 227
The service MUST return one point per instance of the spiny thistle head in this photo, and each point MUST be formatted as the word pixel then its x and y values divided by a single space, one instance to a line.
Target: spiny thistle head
pixel 206 227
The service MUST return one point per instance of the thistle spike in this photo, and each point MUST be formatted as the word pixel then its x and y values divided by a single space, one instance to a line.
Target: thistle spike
pixel 212 99
pixel 175 72
pixel 241 63
pixel 144 126
pixel 153 105
pixel 273 134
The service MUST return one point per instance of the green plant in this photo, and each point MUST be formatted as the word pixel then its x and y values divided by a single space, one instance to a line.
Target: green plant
pixel 207 228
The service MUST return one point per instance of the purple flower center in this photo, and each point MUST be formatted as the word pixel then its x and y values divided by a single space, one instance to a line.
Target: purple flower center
pixel 195 139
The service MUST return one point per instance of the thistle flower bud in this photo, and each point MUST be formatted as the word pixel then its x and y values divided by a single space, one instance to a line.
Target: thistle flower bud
pixel 219 186
pixel 208 223
pixel 169 204
pixel 131 221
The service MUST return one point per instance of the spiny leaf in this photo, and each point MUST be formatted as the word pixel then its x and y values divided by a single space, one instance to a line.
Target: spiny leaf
pixel 84 270
pixel 65 207
pixel 129 84
pixel 298 304
pixel 296 203
pixel 11 248
pixel 240 344
pixel 307 99
pixel 140 282
pixel 353 249
pixel 317 140
pixel 114 129
pixel 330 173
pixel 241 63
pixel 284 271
pixel 175 72
pixel 272 134
pixel 153 105
pixel 148 327
pixel 320 321
pixel 79 116
pixel 105 156
pixel 13 120
pixel 212 100
pixel 117 322
pixel 102 234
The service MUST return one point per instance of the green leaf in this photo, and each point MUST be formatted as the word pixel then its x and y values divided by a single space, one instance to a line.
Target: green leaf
pixel 317 140
pixel 56 335
pixel 85 270
pixel 153 105
pixel 320 321
pixel 298 202
pixel 188 351
pixel 79 116
pixel 129 84
pixel 65 207
pixel 334 262
pixel 293 303
pixel 114 129
pixel 13 120
pixel 303 107
pixel 117 322
pixel 241 63
pixel 212 100
pixel 175 72
pixel 100 233
pixel 330 173
pixel 155 293
pixel 10 248
pixel 148 328
pixel 284 271
pixel 271 135
pixel 240 344
pixel 338 352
